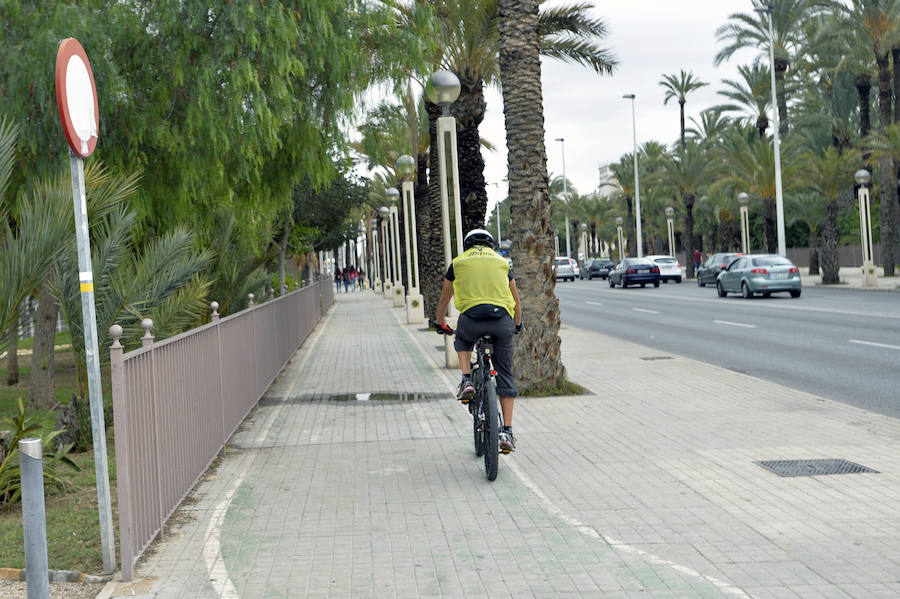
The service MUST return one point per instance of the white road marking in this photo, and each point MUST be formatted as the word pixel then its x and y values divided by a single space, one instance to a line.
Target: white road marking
pixel 647 311
pixel 872 343
pixel 588 531
pixel 595 303
pixel 735 324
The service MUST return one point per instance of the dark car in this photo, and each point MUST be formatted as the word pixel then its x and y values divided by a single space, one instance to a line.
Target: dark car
pixel 709 270
pixel 634 271
pixel 599 267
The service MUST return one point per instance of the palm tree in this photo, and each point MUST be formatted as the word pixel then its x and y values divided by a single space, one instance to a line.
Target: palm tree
pixel 877 23
pixel 710 128
pixel 537 352
pixel 750 96
pixel 807 208
pixel 678 87
pixel 689 171
pixel 623 175
pixel 751 30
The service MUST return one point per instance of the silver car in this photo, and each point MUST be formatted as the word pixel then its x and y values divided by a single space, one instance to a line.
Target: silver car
pixel 669 268
pixel 566 268
pixel 761 273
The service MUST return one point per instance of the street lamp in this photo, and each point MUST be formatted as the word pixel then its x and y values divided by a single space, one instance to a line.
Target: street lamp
pixel 415 310
pixel 443 89
pixel 637 188
pixel 385 212
pixel 392 196
pixel 779 198
pixel 743 198
pixel 670 226
pixel 863 178
pixel 621 238
pixel 562 144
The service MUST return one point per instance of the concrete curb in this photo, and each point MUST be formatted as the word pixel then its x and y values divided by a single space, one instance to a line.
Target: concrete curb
pixel 55 575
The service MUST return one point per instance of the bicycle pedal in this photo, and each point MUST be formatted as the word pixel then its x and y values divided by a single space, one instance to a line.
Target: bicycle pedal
pixel 463 400
pixel 505 451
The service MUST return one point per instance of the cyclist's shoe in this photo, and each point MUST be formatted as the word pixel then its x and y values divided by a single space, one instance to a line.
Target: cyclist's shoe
pixel 466 391
pixel 507 442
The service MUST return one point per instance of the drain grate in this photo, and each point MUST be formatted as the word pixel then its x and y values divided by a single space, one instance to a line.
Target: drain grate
pixel 648 358
pixel 814 467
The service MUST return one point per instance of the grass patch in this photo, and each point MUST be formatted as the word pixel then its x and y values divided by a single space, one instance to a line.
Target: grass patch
pixel 561 387
pixel 73 525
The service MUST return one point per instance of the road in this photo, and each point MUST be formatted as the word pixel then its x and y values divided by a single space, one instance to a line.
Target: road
pixel 842 344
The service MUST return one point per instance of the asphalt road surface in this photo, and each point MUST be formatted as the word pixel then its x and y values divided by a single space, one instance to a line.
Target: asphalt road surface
pixel 842 344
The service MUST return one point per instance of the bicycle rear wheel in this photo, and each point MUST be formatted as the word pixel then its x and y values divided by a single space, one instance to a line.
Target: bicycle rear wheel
pixel 478 429
pixel 491 431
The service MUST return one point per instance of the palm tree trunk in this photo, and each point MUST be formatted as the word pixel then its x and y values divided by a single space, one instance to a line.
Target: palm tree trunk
pixel 768 214
pixel 863 88
pixel 829 254
pixel 781 66
pixel 537 359
pixel 12 353
pixel 688 234
pixel 469 111
pixel 428 213
pixel 630 238
pixel 885 167
pixel 813 253
pixel 681 103
pixel 41 393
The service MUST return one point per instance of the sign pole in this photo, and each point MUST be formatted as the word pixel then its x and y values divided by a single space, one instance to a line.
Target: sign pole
pixel 89 320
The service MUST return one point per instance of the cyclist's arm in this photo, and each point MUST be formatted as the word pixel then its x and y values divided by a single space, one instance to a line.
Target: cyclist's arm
pixel 517 318
pixel 446 294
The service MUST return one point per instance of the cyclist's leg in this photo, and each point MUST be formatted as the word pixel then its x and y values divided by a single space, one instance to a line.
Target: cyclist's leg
pixel 463 344
pixel 503 353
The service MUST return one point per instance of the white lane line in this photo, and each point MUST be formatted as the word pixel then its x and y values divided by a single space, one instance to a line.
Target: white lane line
pixel 586 530
pixel 735 324
pixel 647 311
pixel 872 343
pixel 595 303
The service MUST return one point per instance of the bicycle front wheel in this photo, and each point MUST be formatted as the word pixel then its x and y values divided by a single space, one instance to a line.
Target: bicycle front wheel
pixel 491 431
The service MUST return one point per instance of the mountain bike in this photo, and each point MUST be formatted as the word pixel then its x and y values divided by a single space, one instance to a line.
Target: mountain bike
pixel 484 406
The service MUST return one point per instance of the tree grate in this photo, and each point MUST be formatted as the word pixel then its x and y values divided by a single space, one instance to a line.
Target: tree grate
pixel 648 358
pixel 786 468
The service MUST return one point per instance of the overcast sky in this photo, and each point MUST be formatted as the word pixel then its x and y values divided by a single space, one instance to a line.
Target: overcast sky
pixel 650 38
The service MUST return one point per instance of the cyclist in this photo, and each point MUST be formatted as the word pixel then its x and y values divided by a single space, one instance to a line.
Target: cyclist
pixel 484 291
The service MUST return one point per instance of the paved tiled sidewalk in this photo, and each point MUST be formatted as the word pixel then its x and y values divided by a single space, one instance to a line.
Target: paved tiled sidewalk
pixel 632 491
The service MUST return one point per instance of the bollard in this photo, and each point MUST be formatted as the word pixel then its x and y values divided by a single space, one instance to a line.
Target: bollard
pixel 32 468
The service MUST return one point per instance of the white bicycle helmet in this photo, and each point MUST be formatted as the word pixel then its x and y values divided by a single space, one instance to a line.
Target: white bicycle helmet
pixel 478 237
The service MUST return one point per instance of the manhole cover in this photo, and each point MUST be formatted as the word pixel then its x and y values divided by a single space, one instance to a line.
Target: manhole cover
pixel 813 467
pixel 656 358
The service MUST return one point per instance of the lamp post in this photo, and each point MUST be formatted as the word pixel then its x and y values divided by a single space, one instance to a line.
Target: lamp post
pixel 779 198
pixel 863 178
pixel 637 187
pixel 386 285
pixel 374 273
pixel 415 309
pixel 743 198
pixel 562 143
pixel 443 89
pixel 670 226
pixel 392 196
pixel 621 238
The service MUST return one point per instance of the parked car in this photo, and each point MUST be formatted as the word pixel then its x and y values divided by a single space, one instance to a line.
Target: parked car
pixel 669 268
pixel 709 270
pixel 599 267
pixel 634 271
pixel 762 273
pixel 566 268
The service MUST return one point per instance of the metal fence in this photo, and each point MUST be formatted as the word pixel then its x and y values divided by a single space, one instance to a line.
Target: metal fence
pixel 177 402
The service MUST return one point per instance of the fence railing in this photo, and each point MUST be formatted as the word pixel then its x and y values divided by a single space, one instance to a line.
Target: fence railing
pixel 177 402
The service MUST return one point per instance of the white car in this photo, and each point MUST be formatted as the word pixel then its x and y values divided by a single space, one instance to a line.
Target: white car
pixel 669 268
pixel 566 268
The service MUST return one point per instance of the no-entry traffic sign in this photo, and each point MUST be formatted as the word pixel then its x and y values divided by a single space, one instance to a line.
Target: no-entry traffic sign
pixel 76 97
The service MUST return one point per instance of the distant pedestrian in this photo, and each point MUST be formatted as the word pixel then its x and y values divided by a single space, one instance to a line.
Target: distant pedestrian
pixel 353 276
pixel 698 258
pixel 345 277
pixel 361 278
pixel 337 279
